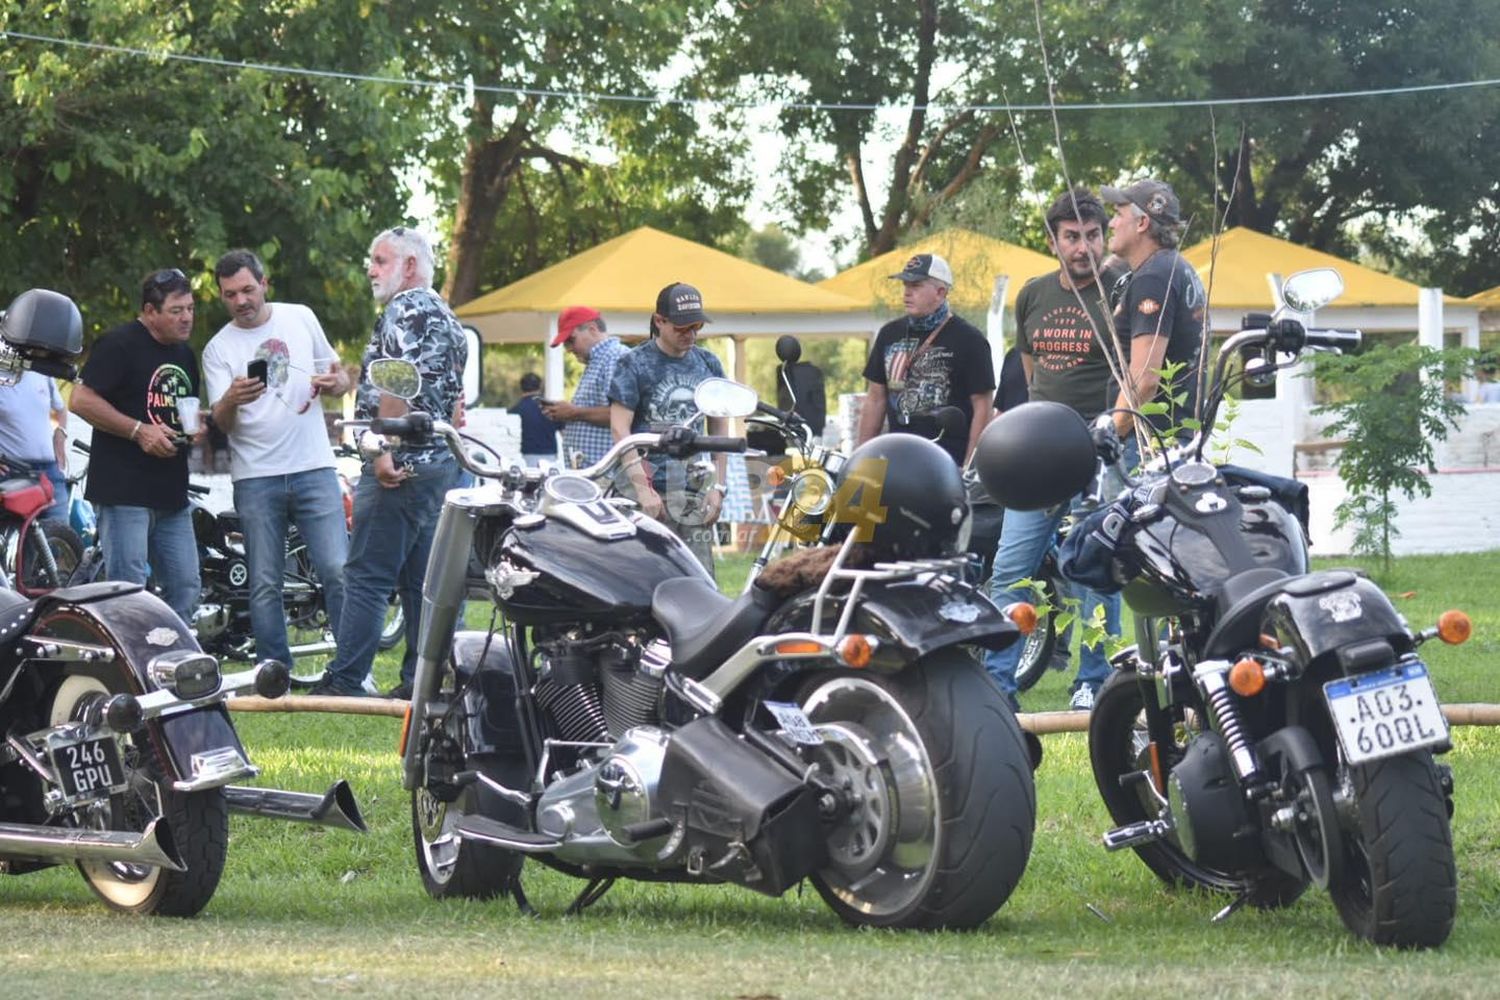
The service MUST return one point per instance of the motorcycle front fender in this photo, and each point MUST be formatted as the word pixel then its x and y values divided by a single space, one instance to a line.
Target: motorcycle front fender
pixel 201 746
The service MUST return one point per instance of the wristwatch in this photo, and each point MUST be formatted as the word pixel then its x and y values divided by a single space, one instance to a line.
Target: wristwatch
pixel 720 488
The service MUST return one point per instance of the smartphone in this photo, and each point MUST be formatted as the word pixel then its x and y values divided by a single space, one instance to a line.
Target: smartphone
pixel 258 369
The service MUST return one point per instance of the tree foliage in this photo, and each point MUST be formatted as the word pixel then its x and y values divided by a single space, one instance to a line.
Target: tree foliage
pixel 1393 406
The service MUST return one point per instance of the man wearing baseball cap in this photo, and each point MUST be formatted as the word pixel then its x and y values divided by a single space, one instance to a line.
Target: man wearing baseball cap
pixel 1159 306
pixel 580 330
pixel 653 390
pixel 927 359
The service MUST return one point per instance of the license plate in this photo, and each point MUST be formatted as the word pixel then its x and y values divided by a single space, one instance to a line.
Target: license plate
pixel 88 769
pixel 1386 713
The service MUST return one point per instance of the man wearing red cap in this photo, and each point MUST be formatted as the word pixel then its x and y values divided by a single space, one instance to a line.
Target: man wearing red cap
pixel 586 419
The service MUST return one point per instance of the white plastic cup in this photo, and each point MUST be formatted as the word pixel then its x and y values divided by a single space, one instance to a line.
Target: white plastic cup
pixel 187 412
pixel 322 366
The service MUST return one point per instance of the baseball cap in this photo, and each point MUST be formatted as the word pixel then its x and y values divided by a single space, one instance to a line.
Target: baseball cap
pixel 1155 198
pixel 681 304
pixel 926 265
pixel 570 319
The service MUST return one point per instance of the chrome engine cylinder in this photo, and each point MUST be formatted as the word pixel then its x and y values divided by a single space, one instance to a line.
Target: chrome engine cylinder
pixel 590 809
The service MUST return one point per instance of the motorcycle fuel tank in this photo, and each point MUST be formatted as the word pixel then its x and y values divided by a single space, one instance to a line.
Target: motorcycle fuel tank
pixel 580 577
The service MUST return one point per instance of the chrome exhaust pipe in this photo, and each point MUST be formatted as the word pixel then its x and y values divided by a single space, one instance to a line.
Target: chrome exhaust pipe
pixel 152 846
pixel 336 807
pixel 313 648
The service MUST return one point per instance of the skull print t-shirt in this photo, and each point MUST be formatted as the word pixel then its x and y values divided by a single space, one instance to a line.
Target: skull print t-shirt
pixel 922 374
pixel 659 389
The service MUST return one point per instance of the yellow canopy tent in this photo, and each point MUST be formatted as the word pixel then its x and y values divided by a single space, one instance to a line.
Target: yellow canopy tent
pixel 976 261
pixel 621 277
pixel 1488 303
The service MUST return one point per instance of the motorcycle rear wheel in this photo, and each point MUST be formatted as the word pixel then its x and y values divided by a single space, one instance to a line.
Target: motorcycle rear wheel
pixel 1117 746
pixel 944 805
pixel 198 821
pixel 65 547
pixel 1400 885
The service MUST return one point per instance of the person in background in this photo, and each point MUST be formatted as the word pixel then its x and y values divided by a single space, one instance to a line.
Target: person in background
pixel 30 441
pixel 538 433
pixel 585 420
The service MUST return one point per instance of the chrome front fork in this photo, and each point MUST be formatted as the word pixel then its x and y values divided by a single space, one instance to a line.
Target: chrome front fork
pixel 443 592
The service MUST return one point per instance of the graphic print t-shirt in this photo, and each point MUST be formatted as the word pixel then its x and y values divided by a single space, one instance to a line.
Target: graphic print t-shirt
pixel 143 379
pixel 659 388
pixel 418 326
pixel 1066 342
pixel 918 380
pixel 1164 298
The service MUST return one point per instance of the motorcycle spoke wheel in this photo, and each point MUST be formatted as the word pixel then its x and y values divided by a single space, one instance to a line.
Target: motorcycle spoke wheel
pixel 1400 885
pixel 939 806
pixel 50 556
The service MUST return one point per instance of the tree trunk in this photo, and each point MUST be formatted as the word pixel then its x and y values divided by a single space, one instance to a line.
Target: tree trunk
pixel 490 162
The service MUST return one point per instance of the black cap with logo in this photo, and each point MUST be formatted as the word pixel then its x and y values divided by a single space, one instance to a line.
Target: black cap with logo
pixel 1155 198
pixel 681 305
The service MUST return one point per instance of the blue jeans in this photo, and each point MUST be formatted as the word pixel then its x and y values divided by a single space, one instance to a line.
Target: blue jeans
pixel 134 538
pixel 59 509
pixel 266 505
pixel 1025 538
pixel 393 531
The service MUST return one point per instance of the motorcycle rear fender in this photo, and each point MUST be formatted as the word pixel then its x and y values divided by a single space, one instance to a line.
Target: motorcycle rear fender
pixel 1322 613
pixel 140 627
pixel 488 675
pixel 910 619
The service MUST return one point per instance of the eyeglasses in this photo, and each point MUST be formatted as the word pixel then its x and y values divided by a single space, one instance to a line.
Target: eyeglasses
pixel 690 328
pixel 165 277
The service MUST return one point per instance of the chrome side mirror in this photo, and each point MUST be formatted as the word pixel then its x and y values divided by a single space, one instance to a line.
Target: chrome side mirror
pixel 395 376
pixel 719 397
pixel 1308 291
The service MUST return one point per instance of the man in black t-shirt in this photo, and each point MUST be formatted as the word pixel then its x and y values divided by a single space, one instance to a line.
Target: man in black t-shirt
pixel 138 476
pixel 1159 306
pixel 927 359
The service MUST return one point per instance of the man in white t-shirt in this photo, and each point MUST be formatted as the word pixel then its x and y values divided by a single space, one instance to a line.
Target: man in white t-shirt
pixel 280 458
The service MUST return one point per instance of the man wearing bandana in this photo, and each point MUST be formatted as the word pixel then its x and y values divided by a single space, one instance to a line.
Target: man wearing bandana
pixel 928 359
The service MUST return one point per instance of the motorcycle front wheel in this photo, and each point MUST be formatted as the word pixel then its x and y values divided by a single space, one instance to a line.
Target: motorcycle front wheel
pixel 1037 648
pixel 198 821
pixel 1400 885
pixel 49 556
pixel 1118 745
pixel 938 786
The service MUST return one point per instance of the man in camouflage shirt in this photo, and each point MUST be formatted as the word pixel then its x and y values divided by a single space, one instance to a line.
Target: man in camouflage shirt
pixel 400 493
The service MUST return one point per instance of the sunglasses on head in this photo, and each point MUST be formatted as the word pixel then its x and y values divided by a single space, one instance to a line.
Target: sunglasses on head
pixel 165 276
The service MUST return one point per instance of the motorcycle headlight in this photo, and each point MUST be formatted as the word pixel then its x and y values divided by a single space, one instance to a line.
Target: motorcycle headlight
pixel 186 673
pixel 809 493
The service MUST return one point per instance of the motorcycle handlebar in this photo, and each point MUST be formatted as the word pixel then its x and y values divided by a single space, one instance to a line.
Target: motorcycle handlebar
pixel 711 442
pixel 1344 340
pixel 411 425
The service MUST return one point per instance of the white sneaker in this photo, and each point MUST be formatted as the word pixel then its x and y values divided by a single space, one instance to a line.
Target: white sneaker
pixel 1082 700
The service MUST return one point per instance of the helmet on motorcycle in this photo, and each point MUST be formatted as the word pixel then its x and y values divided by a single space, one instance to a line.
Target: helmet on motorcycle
pixel 1035 456
pixel 904 496
pixel 43 321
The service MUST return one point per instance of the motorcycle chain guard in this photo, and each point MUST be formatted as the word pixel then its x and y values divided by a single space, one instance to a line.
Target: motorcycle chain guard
pixel 1208 808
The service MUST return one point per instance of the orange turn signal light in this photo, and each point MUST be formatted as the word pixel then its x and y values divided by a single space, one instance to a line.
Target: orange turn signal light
pixel 1024 616
pixel 856 650
pixel 797 647
pixel 776 475
pixel 1454 627
pixel 405 731
pixel 1247 678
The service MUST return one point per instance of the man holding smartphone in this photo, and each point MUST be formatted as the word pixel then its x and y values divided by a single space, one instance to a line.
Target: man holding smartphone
pixel 265 370
pixel 128 390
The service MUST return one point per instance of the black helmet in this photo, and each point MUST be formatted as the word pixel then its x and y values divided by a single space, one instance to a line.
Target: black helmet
pixel 43 321
pixel 904 495
pixel 1035 456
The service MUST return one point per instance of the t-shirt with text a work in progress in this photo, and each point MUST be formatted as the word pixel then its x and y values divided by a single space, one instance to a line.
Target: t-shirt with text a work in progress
pixel 659 389
pixel 921 375
pixel 143 379
pixel 1164 298
pixel 1066 342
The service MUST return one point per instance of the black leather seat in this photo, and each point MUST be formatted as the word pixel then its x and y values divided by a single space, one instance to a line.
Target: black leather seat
pixel 703 625
pixel 1241 601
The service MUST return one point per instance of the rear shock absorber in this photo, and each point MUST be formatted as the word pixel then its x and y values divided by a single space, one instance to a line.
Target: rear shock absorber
pixel 1213 680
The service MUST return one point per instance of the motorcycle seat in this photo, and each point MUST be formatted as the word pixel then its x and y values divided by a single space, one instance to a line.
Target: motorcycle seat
pixel 703 626
pixel 1241 600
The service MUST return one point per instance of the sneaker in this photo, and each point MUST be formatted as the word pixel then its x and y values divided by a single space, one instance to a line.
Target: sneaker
pixel 1082 700
pixel 401 692
pixel 326 686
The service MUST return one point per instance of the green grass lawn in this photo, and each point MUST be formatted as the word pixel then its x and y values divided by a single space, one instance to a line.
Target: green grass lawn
pixel 303 911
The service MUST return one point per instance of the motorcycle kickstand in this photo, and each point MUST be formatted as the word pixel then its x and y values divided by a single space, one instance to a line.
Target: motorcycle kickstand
pixel 1230 910
pixel 519 894
pixel 591 894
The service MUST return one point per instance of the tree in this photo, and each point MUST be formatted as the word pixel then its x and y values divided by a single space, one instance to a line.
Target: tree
pixel 119 163
pixel 1394 405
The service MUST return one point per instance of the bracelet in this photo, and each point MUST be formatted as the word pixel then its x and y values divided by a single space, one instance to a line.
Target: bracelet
pixel 720 488
pixel 134 430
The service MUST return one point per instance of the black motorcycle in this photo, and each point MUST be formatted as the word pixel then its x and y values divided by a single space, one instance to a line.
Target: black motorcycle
pixel 1274 728
pixel 623 719
pixel 118 754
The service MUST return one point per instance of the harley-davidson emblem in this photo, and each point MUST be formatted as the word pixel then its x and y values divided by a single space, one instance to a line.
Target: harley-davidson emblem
pixel 1342 606
pixel 1210 503
pixel 162 636
pixel 959 611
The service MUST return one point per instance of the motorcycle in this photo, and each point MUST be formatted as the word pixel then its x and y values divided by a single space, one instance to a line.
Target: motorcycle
pixel 623 719
pixel 118 753
pixel 39 554
pixel 1273 728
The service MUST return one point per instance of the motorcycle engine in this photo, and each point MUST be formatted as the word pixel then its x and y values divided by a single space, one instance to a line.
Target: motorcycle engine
pixel 625 784
pixel 1208 808
pixel 597 688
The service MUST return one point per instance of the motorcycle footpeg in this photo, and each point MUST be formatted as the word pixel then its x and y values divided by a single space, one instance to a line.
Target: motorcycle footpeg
pixel 484 830
pixel 1135 834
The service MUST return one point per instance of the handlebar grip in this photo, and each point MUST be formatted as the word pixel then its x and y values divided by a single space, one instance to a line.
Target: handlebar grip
pixel 198 491
pixel 80 446
pixel 783 415
pixel 1340 339
pixel 411 425
pixel 710 442
pixel 54 369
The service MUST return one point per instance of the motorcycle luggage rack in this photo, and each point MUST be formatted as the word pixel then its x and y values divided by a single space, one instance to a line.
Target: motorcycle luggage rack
pixel 880 572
